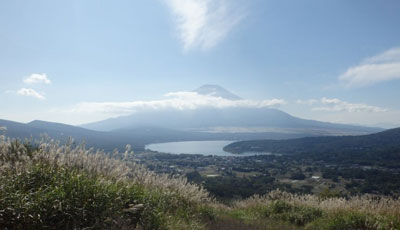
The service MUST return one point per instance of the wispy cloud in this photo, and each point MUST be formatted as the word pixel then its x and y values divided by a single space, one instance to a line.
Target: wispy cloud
pixel 30 93
pixel 382 67
pixel 37 78
pixel 175 100
pixel 336 105
pixel 307 102
pixel 204 23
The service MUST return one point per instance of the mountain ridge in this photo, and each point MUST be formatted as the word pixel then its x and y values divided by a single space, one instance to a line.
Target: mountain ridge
pixel 204 123
pixel 387 139
pixel 207 119
pixel 109 140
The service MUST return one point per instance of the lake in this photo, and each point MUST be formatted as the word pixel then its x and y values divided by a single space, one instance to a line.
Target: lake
pixel 197 147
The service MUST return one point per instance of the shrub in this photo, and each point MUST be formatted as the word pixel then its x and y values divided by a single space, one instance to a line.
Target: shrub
pixel 354 221
pixel 55 197
pixel 295 214
pixel 297 176
pixel 329 194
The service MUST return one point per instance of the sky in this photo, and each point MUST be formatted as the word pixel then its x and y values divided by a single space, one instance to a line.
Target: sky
pixel 82 61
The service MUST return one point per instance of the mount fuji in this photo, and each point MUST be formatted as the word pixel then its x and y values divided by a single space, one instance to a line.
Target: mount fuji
pixel 238 121
pixel 169 124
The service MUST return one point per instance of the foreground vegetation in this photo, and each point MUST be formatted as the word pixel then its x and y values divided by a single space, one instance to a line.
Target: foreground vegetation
pixel 53 187
pixel 48 186
pixel 322 212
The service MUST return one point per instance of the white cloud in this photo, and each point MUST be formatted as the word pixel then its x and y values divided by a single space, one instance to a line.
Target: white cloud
pixel 175 100
pixel 382 67
pixel 37 78
pixel 336 105
pixel 307 102
pixel 204 23
pixel 30 93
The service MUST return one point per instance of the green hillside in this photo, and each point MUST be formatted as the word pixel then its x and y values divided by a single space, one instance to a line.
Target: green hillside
pixel 381 148
pixel 137 137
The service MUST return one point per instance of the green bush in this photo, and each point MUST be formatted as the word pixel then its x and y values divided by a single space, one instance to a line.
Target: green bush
pixel 294 214
pixel 346 220
pixel 328 194
pixel 52 197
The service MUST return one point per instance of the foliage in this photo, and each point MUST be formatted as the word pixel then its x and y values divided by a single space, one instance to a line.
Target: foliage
pixel 297 176
pixel 238 187
pixel 328 194
pixel 336 213
pixel 52 187
pixel 295 214
pixel 354 221
pixel 52 197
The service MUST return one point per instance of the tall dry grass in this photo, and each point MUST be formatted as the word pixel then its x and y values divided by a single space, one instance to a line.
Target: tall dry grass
pixel 50 183
pixel 365 203
pixel 16 156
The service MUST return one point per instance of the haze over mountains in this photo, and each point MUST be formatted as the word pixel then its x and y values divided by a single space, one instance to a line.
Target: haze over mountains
pixel 234 119
pixel 61 132
pixel 204 123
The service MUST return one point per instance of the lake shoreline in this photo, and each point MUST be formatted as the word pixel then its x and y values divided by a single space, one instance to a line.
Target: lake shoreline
pixel 205 148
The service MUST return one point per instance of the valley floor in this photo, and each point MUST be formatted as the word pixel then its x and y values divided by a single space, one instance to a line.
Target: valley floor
pixel 241 177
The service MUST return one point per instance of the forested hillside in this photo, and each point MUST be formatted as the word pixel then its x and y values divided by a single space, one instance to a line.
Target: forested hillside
pixel 381 148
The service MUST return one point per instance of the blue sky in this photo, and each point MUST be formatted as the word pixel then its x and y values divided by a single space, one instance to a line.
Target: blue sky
pixel 81 61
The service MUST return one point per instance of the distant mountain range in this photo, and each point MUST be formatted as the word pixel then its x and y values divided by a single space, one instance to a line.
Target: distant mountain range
pixel 230 119
pixel 62 132
pixel 208 123
pixel 138 137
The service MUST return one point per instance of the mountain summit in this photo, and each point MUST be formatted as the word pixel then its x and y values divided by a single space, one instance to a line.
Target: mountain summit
pixel 216 91
pixel 240 121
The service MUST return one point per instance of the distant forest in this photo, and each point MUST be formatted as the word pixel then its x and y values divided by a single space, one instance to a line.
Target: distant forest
pixel 378 149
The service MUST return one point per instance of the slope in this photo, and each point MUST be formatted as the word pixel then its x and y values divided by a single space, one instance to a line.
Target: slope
pixel 381 148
